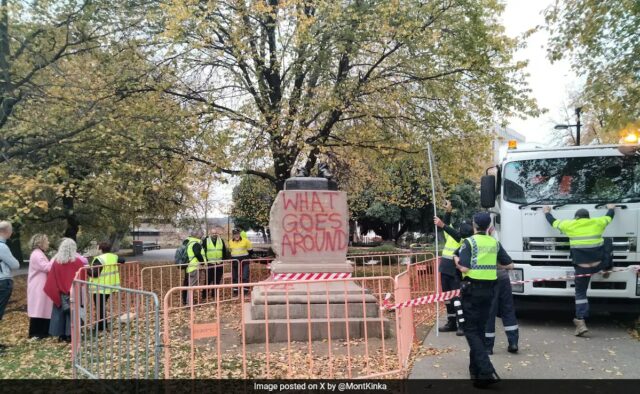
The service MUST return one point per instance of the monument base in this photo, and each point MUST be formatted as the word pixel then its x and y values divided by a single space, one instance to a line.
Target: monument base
pixel 313 311
pixel 280 267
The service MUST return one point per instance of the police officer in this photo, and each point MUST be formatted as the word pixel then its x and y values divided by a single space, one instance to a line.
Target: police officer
pixel 587 252
pixel 449 276
pixel 502 306
pixel 479 256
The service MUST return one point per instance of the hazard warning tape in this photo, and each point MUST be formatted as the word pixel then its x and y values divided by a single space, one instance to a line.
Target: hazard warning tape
pixel 312 276
pixel 519 282
pixel 447 295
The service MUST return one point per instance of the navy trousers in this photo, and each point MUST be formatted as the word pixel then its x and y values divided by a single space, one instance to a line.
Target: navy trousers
pixel 476 304
pixel 6 287
pixel 449 282
pixel 503 307
pixel 582 285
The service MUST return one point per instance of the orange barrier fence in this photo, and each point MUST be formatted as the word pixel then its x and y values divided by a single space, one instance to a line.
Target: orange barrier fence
pixel 303 329
pixel 322 329
pixel 160 279
pixel 405 318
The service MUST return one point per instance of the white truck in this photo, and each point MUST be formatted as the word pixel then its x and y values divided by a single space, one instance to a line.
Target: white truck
pixel 567 179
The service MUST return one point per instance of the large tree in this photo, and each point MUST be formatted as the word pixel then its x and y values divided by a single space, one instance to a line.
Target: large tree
pixel 280 82
pixel 110 168
pixel 601 38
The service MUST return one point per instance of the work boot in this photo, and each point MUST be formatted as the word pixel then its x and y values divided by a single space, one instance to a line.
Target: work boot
pixel 483 381
pixel 450 326
pixel 581 327
pixel 512 337
pixel 460 330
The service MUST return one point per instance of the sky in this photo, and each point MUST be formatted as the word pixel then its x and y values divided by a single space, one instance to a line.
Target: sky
pixel 550 82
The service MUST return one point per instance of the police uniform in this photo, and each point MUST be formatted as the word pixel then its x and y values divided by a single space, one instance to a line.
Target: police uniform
pixel 480 253
pixel 449 277
pixel 587 252
pixel 502 306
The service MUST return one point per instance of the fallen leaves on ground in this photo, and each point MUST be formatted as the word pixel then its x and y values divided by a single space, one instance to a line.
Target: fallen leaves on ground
pixel 26 358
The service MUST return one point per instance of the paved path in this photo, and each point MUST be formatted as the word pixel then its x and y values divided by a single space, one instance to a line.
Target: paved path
pixel 155 255
pixel 548 349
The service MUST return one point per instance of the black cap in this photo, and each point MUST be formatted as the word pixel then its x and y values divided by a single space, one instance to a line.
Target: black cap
pixel 582 214
pixel 482 220
pixel 235 231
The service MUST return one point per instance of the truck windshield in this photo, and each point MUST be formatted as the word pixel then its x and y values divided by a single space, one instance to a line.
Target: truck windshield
pixel 573 179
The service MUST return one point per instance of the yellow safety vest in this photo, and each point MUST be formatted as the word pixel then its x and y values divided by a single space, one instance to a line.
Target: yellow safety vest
pixel 193 261
pixel 239 248
pixel 109 275
pixel 450 246
pixel 243 235
pixel 214 252
pixel 484 258
pixel 584 232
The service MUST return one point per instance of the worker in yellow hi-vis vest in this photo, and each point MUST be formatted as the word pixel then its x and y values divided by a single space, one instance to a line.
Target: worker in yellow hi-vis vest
pixel 240 249
pixel 104 271
pixel 194 260
pixel 214 251
pixel 587 252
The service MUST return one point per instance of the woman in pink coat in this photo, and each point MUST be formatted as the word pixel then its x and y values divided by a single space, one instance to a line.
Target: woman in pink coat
pixel 39 305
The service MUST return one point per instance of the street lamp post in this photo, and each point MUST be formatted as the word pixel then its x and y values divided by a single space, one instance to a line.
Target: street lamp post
pixel 577 126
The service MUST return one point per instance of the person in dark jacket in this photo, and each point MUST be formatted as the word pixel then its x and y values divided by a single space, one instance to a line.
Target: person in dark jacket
pixel 450 277
pixel 195 259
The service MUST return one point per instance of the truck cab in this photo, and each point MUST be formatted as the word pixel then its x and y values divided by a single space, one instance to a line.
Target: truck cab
pixel 567 179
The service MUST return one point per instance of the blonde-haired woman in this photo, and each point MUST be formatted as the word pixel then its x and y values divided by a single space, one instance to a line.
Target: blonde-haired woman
pixel 63 270
pixel 39 306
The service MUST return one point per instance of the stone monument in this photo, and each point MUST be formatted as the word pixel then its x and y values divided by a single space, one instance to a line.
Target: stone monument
pixel 309 224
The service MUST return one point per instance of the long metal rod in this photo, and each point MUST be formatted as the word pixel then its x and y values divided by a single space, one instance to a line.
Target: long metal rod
pixel 435 231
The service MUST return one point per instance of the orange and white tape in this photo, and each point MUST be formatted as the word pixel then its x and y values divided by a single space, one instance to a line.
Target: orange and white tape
pixel 312 276
pixel 447 295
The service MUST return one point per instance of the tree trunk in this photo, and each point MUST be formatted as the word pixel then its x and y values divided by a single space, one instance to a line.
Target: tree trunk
pixel 73 226
pixel 115 240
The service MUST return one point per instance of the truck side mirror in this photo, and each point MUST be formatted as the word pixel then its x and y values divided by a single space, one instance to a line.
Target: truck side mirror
pixel 488 191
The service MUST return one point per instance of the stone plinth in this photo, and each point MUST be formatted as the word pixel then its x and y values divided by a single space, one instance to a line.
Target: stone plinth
pixel 308 307
pixel 310 231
